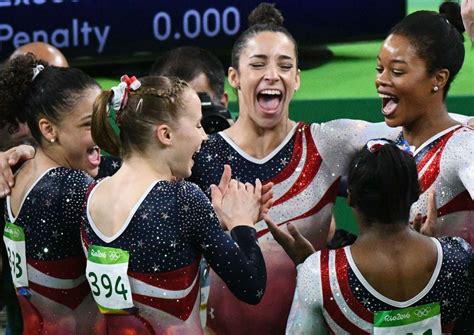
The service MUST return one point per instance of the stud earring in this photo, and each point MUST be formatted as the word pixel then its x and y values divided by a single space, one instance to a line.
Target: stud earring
pixel 52 140
pixel 436 88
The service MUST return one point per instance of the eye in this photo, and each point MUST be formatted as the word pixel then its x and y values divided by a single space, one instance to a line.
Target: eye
pixel 379 69
pixel 257 65
pixel 397 72
pixel 286 66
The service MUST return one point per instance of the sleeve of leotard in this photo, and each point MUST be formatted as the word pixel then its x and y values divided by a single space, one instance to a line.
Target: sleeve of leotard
pixel 237 259
pixel 306 311
pixel 337 141
pixel 459 156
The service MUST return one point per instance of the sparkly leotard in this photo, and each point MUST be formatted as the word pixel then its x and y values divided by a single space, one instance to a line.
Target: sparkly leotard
pixel 166 233
pixel 58 299
pixel 305 169
pixel 333 297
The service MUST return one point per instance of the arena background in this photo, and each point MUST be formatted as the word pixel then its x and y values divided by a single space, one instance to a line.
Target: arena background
pixel 343 87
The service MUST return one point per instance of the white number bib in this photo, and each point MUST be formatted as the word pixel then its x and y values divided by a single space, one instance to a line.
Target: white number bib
pixel 106 272
pixel 14 239
pixel 419 320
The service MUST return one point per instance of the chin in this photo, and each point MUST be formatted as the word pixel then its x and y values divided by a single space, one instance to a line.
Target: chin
pixel 93 172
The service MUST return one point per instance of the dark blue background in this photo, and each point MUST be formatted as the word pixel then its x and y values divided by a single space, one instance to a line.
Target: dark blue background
pixel 131 36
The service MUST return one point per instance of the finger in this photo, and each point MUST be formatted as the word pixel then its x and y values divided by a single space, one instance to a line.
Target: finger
pixel 266 197
pixel 225 178
pixel 417 222
pixel 6 173
pixel 429 227
pixel 258 187
pixel 294 232
pixel 267 187
pixel 216 197
pixel 249 188
pixel 284 239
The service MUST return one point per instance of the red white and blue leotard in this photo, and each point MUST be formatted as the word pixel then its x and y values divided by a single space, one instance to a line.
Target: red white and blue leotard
pixel 166 233
pixel 50 215
pixel 333 297
pixel 305 169
pixel 445 163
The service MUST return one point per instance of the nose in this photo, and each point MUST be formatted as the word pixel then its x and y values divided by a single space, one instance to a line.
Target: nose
pixel 271 74
pixel 381 79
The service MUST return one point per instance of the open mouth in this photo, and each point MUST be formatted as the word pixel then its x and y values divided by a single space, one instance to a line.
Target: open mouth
pixel 389 103
pixel 269 100
pixel 93 155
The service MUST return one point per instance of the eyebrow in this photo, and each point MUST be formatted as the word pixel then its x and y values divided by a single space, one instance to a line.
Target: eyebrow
pixel 394 61
pixel 285 57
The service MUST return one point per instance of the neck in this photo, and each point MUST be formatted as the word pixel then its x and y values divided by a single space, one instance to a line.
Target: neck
pixel 256 141
pixel 140 166
pixel 47 157
pixel 423 128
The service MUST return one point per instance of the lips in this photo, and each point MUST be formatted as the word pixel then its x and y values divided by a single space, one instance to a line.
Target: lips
pixel 93 155
pixel 269 100
pixel 389 103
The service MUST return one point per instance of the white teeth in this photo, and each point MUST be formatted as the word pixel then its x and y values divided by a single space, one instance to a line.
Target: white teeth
pixel 386 96
pixel 271 92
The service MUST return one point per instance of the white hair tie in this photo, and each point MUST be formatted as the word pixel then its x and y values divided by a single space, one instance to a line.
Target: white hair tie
pixel 36 71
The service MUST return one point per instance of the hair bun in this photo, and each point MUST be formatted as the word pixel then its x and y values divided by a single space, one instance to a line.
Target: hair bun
pixel 452 12
pixel 266 13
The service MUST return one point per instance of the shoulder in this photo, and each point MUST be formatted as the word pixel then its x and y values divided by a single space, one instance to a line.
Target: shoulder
pixel 458 249
pixel 70 177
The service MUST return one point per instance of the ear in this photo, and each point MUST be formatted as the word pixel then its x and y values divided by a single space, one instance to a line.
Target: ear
pixel 225 99
pixel 233 78
pixel 441 78
pixel 48 130
pixel 164 134
pixel 298 80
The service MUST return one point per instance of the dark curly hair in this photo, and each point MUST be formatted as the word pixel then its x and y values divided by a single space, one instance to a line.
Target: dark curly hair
pixel 52 93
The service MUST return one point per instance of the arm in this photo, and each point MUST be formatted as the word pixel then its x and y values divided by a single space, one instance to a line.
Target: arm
pixel 338 140
pixel 467 13
pixel 306 311
pixel 237 260
pixel 8 159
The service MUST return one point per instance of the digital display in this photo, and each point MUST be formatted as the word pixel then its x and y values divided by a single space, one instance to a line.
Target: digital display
pixel 93 31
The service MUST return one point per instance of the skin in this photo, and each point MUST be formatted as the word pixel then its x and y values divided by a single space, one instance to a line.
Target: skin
pixel 44 52
pixel 70 149
pixel 72 136
pixel 402 73
pixel 267 62
pixel 467 13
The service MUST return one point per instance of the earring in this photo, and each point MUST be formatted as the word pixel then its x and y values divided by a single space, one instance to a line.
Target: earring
pixel 52 140
pixel 435 88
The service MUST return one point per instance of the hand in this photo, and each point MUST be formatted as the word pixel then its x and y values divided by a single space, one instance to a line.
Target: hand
pixel 266 201
pixel 429 227
pixel 8 159
pixel 294 244
pixel 239 205
pixel 467 13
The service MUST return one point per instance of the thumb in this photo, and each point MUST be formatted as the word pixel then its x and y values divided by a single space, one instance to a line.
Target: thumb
pixel 216 196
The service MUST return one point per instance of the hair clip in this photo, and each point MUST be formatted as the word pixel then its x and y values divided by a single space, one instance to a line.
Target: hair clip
pixel 120 96
pixel 376 144
pixel 36 71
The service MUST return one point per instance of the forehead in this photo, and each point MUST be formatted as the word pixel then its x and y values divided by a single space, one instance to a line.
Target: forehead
pixel 83 104
pixel 398 47
pixel 270 44
pixel 191 104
